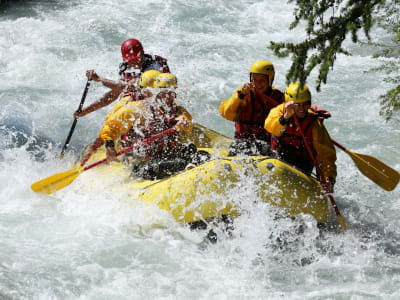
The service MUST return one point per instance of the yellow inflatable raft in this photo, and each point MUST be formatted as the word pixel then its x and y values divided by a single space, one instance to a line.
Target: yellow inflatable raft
pixel 205 191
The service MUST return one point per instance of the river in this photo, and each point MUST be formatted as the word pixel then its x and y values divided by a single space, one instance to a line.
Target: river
pixel 76 245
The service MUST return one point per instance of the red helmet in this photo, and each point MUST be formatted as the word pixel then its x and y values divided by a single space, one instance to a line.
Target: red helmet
pixel 132 50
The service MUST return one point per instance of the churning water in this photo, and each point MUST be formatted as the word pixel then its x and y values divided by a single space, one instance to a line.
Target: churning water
pixel 79 245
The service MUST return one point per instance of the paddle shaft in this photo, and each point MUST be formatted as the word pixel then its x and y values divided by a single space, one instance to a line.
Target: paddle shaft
pixel 146 141
pixel 61 180
pixel 95 147
pixel 380 173
pixel 338 145
pixel 317 168
pixel 71 131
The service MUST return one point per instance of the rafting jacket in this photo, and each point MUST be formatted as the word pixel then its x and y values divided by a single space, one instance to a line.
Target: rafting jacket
pixel 151 62
pixel 121 103
pixel 249 114
pixel 289 144
pixel 142 120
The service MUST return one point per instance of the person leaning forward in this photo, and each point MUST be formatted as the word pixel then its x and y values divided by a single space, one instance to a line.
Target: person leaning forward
pixel 287 140
pixel 135 62
pixel 142 93
pixel 142 119
pixel 248 107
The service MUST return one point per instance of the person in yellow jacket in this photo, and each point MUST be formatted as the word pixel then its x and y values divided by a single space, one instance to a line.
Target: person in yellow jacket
pixel 142 119
pixel 248 107
pixel 136 120
pixel 128 100
pixel 287 139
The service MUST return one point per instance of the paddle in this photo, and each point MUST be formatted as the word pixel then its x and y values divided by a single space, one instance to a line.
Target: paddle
pixel 322 178
pixel 71 131
pixel 380 173
pixel 60 180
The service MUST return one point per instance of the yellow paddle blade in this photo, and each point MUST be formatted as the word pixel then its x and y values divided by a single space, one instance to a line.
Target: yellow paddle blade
pixel 57 181
pixel 380 173
pixel 342 222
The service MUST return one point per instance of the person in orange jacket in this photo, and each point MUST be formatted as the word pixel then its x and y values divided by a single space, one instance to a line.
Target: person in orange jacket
pixel 287 140
pixel 135 63
pixel 249 107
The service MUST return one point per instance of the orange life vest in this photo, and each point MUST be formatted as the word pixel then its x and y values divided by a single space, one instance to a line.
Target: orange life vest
pixel 250 122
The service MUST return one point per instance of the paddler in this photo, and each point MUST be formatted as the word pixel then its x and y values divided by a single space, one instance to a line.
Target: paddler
pixel 143 92
pixel 137 120
pixel 248 107
pixel 135 62
pixel 287 138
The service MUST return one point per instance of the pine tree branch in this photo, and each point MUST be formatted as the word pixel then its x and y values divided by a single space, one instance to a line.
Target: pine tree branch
pixel 324 39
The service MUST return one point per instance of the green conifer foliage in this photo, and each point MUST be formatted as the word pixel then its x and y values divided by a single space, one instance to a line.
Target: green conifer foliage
pixel 389 56
pixel 328 23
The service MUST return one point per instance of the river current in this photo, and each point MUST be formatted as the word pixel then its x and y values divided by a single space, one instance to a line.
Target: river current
pixel 78 245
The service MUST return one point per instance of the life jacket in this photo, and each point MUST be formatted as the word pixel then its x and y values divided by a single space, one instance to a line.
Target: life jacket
pixel 127 76
pixel 290 145
pixel 160 121
pixel 133 96
pixel 250 122
pixel 150 59
pixel 147 65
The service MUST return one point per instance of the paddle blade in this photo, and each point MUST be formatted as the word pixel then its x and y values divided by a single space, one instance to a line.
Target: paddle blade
pixel 342 222
pixel 380 173
pixel 57 181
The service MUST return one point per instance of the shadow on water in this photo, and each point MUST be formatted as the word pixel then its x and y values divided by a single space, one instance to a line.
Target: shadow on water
pixel 301 243
pixel 16 132
pixel 31 8
pixel 378 235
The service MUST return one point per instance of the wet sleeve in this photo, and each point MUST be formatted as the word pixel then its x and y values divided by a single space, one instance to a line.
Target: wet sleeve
pixel 120 122
pixel 326 153
pixel 114 110
pixel 185 118
pixel 230 109
pixel 272 124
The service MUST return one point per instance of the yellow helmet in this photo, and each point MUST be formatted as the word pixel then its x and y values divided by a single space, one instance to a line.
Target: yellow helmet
pixel 293 93
pixel 263 67
pixel 148 78
pixel 166 80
